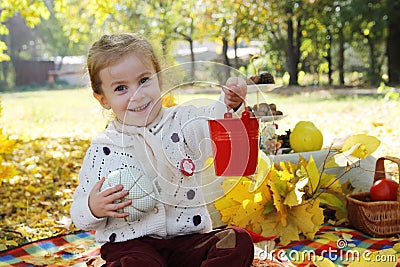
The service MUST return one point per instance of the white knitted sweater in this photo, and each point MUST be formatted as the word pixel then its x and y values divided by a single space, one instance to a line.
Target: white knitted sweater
pixel 182 133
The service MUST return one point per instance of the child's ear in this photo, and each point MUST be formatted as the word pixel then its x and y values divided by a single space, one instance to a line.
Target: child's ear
pixel 102 100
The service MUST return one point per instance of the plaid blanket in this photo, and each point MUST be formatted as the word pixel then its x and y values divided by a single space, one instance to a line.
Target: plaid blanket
pixel 66 250
pixel 340 244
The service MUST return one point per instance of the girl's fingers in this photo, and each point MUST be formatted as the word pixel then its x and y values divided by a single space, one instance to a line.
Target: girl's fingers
pixel 117 195
pixel 232 98
pixel 113 212
pixel 232 93
pixel 235 81
pixel 99 184
pixel 232 81
pixel 118 214
pixel 121 205
pixel 108 191
pixel 113 190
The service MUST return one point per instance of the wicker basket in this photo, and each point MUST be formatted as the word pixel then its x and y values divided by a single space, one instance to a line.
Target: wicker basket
pixel 376 218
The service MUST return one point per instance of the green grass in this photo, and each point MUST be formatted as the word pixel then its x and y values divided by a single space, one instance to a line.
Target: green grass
pixel 75 113
pixel 52 113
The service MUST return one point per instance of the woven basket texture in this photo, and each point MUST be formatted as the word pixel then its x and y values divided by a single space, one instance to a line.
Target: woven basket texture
pixel 376 218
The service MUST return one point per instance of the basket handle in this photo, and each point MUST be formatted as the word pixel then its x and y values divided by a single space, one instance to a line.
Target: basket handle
pixel 380 170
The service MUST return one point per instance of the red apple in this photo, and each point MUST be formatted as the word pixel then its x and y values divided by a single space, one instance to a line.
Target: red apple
pixel 384 190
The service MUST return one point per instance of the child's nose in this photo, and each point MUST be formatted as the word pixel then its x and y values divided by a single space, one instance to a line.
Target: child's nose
pixel 136 95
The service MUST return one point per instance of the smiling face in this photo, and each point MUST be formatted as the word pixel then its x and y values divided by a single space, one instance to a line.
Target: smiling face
pixel 131 89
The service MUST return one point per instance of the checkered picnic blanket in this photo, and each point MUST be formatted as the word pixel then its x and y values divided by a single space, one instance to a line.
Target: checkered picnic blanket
pixel 65 250
pixel 340 244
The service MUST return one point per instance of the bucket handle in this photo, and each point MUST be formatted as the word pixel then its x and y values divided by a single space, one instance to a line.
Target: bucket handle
pixel 245 113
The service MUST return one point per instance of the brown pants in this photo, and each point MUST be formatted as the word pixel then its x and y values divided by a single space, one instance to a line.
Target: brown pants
pixel 231 247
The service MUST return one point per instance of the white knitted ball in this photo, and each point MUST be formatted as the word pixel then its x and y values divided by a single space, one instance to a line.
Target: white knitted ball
pixel 140 192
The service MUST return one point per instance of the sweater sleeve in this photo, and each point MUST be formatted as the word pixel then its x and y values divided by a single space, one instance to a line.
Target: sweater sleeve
pixel 80 212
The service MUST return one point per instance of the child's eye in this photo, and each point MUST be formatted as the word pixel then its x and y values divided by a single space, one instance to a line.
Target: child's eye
pixel 144 80
pixel 120 88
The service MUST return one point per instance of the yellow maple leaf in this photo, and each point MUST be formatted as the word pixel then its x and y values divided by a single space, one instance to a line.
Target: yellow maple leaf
pixel 354 148
pixel 313 175
pixel 278 199
pixel 295 197
pixel 239 191
pixel 309 218
pixel 290 234
pixel 248 211
pixel 240 206
pixel 367 145
pixel 330 181
pixel 227 208
pixel 271 225
pixel 303 219
pixel 168 100
pixel 331 200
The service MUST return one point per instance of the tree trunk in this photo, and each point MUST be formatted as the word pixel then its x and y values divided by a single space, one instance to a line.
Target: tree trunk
pixel 297 51
pixel 192 58
pixel 235 46
pixel 290 54
pixel 341 57
pixel 373 72
pixel 225 58
pixel 393 40
pixel 5 68
pixel 164 45
pixel 225 47
pixel 329 57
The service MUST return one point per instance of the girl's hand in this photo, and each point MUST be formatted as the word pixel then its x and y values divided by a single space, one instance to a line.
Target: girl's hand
pixel 235 92
pixel 102 203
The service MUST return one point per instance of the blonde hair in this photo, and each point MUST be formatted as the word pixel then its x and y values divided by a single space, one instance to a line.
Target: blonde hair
pixel 111 48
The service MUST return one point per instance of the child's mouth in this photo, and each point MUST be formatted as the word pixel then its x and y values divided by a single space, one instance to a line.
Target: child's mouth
pixel 141 108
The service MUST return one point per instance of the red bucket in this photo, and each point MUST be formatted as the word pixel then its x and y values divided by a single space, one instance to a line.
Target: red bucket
pixel 235 144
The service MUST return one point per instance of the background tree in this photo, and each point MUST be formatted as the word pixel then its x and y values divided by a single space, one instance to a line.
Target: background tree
pixel 219 16
pixel 32 13
pixel 91 22
pixel 368 22
pixel 393 40
pixel 340 22
pixel 187 26
pixel 285 22
pixel 54 41
pixel 248 23
pixel 162 16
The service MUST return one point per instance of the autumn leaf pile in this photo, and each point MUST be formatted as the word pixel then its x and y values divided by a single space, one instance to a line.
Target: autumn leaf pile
pixel 38 177
pixel 287 200
pixel 287 203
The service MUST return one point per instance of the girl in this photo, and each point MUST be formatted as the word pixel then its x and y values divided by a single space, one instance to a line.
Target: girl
pixel 166 147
